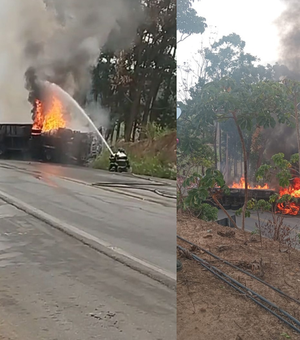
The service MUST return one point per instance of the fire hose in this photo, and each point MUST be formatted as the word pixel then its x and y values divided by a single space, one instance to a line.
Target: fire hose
pixel 249 293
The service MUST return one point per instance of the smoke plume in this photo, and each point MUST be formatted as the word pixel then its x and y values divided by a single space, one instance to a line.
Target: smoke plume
pixel 288 25
pixel 56 41
pixel 289 32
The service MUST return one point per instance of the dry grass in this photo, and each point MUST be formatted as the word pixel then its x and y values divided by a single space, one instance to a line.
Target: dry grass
pixel 209 309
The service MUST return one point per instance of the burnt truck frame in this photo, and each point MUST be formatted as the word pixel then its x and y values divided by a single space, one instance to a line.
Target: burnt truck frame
pixel 62 146
pixel 14 140
pixel 235 200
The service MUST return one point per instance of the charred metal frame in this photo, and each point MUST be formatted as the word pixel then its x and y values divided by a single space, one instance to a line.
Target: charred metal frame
pixel 63 145
pixel 237 196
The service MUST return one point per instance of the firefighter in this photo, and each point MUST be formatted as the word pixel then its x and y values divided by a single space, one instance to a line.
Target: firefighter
pixel 119 161
pixel 113 165
pixel 122 160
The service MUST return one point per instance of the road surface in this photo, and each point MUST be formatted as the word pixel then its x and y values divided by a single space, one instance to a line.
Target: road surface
pixel 52 287
pixel 134 214
pixel 250 222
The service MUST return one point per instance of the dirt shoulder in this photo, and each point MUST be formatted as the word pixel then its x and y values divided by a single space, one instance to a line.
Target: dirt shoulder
pixel 207 308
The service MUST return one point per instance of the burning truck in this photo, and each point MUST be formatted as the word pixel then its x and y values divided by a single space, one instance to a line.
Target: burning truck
pixel 47 138
pixel 235 200
pixel 51 140
pixel 237 195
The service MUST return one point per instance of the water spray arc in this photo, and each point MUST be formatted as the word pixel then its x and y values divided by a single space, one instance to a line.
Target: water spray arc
pixel 73 101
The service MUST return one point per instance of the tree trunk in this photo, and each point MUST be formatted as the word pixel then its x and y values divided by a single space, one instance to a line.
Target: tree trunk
pixel 215 146
pixel 112 135
pixel 227 160
pixel 241 165
pixel 220 145
pixel 224 210
pixel 149 104
pixel 118 130
pixel 297 127
pixel 245 168
pixel 133 115
pixel 134 131
pixel 260 157
pixel 107 134
pixel 235 167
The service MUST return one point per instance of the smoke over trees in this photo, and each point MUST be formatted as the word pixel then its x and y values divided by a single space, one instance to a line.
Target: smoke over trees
pixel 138 84
pixel 123 49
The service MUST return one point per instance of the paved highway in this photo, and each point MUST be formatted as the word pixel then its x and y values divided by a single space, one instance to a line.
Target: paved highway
pixel 134 214
pixel 52 287
pixel 291 221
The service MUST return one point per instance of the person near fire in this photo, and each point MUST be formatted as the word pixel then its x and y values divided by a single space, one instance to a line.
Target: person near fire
pixel 119 161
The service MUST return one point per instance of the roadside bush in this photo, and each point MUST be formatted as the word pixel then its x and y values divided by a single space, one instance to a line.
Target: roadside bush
pixel 154 166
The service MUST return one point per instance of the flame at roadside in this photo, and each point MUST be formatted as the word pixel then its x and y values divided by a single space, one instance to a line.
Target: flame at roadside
pixel 241 185
pixel 290 208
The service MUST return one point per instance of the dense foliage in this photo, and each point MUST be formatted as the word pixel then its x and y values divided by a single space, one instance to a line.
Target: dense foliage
pixel 138 84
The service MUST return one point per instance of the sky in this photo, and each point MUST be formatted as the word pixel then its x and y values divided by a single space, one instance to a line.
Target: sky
pixel 253 20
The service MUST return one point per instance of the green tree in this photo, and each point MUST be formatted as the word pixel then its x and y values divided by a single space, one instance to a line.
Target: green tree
pixel 137 84
pixel 188 21
pixel 285 171
pixel 209 186
pixel 248 105
pixel 225 58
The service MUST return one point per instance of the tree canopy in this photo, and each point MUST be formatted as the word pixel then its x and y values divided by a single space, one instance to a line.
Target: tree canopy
pixel 188 21
pixel 230 111
pixel 138 84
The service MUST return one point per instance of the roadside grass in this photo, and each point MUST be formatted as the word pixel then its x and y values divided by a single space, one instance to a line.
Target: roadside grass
pixel 155 166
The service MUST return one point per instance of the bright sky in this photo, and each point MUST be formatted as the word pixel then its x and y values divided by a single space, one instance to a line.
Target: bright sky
pixel 252 20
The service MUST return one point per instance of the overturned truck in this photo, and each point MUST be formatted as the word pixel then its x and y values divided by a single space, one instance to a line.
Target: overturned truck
pixel 63 145
pixel 236 198
pixel 14 140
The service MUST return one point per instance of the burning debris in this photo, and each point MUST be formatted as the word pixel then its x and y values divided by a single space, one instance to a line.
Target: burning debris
pixel 241 185
pixel 289 208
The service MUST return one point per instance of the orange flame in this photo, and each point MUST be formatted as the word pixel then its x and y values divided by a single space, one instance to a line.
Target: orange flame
pixel 241 185
pixel 38 121
pixel 54 118
pixel 51 119
pixel 290 208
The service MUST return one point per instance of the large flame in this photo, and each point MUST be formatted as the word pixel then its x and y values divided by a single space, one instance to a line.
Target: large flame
pixel 51 118
pixel 38 120
pixel 242 185
pixel 290 208
pixel 54 118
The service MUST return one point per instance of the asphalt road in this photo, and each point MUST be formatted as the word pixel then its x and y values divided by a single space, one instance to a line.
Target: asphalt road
pixel 138 215
pixel 250 222
pixel 53 287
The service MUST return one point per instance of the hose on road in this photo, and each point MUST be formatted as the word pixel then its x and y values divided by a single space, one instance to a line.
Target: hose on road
pixel 136 186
